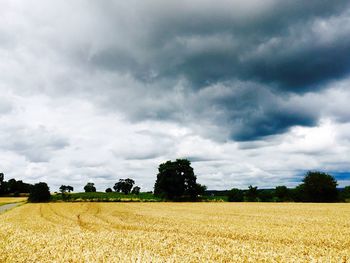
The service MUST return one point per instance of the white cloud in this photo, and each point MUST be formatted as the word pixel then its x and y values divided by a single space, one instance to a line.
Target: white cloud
pixel 100 91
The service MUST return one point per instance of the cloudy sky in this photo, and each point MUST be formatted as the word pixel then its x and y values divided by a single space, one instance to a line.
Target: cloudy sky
pixel 252 92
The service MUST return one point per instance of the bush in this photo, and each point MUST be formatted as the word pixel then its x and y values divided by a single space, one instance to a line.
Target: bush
pixel 136 190
pixel 40 192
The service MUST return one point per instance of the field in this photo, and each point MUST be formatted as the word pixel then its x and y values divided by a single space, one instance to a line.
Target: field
pixel 175 232
pixel 7 200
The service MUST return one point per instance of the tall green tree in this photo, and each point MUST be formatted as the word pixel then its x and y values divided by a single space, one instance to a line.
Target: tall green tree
pixel 319 187
pixel 176 180
pixel 90 187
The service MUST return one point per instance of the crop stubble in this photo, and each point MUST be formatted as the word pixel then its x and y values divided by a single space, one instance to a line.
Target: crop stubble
pixel 175 232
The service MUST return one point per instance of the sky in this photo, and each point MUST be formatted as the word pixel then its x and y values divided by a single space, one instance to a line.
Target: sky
pixel 251 92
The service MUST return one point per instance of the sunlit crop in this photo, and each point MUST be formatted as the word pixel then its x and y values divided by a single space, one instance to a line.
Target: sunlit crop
pixel 7 200
pixel 175 232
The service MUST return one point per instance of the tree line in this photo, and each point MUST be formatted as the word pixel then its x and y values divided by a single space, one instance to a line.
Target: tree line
pixel 125 186
pixel 316 187
pixel 176 181
pixel 13 187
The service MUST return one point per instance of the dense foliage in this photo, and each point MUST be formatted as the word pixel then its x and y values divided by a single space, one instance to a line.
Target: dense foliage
pixel 66 188
pixel 89 187
pixel 345 194
pixel 282 193
pixel 316 187
pixel 124 185
pixel 319 187
pixel 40 192
pixel 176 180
pixel 252 194
pixel 13 187
pixel 235 195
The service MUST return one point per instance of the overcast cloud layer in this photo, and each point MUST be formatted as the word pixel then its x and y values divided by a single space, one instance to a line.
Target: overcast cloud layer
pixel 252 92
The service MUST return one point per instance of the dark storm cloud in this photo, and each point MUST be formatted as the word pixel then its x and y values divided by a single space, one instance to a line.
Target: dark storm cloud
pixel 153 60
pixel 276 43
pixel 251 111
pixel 287 47
pixel 270 123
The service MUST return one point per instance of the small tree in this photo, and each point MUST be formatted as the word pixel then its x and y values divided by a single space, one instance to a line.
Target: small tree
pixel 319 187
pixel 40 192
pixel 252 194
pixel 136 190
pixel 235 195
pixel 109 190
pixel 90 187
pixel 69 188
pixel 63 189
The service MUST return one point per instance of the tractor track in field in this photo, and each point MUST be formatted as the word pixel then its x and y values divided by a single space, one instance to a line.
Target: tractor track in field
pixel 4 208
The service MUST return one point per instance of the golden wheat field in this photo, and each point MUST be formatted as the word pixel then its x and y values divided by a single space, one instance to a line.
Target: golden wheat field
pixel 175 232
pixel 7 200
